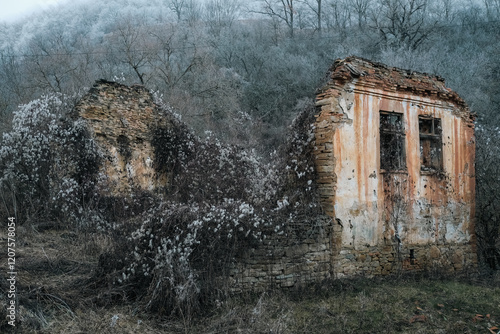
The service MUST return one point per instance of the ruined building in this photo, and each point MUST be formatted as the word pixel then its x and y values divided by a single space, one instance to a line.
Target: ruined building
pixel 395 160
pixel 122 119
pixel 394 155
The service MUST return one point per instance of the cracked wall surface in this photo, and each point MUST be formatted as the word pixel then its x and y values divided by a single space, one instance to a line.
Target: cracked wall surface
pixel 412 218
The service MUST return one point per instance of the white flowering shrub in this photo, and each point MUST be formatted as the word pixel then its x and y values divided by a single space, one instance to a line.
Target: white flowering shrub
pixel 180 251
pixel 217 172
pixel 297 186
pixel 47 161
pixel 220 201
pixel 206 169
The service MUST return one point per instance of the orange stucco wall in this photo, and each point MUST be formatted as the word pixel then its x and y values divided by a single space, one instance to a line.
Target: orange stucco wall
pixel 395 212
pixel 437 207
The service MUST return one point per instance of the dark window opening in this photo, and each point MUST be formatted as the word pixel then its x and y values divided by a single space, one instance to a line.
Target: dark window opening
pixel 431 150
pixel 392 141
pixel 412 256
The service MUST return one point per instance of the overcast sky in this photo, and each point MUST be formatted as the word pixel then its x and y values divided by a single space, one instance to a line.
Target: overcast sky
pixel 10 10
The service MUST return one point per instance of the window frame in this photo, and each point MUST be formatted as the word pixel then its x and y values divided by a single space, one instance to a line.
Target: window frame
pixel 429 162
pixel 396 153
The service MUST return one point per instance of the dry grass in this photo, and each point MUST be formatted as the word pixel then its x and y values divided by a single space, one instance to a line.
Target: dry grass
pixel 54 268
pixel 409 305
pixel 401 306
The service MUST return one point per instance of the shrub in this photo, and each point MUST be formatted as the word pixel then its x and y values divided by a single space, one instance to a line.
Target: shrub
pixel 48 161
pixel 222 200
pixel 180 254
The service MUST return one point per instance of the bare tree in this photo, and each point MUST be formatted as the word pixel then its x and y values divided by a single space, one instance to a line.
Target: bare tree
pixel 193 11
pixel 177 6
pixel 316 7
pixel 14 90
pixel 131 46
pixel 221 13
pixel 283 10
pixel 361 8
pixel 338 15
pixel 52 64
pixel 492 9
pixel 403 23
pixel 176 56
pixel 443 10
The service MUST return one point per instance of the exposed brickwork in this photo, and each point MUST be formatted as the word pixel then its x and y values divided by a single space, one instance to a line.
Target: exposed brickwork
pixel 302 255
pixel 331 115
pixel 122 119
pixel 392 79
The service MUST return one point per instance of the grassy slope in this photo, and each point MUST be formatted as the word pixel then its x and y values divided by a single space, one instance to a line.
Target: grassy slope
pixel 53 298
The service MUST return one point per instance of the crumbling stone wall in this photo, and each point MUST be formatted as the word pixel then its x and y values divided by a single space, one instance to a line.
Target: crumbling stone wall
pixel 122 120
pixel 300 256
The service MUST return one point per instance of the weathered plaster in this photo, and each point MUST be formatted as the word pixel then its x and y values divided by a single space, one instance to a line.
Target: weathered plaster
pixel 402 210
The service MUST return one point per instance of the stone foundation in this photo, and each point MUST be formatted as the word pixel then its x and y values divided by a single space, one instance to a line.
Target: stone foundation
pixel 389 260
pixel 300 256
pixel 291 260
